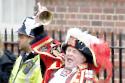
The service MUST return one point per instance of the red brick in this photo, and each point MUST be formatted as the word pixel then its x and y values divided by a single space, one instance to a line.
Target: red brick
pixel 105 23
pixel 115 17
pixel 90 17
pixel 116 72
pixel 116 81
pixel 116 64
pixel 121 17
pixel 60 2
pixel 96 23
pixel 73 9
pixel 61 9
pixel 67 16
pixel 61 22
pixel 58 16
pixel 96 10
pixel 123 81
pixel 51 8
pixel 108 17
pixel 95 17
pixel 85 23
pixel 120 11
pixel 84 10
pixel 73 22
pixel 103 17
pixel 51 2
pixel 108 10
pixel 70 16
pixel 123 50
pixel 123 74
pixel 53 22
pixel 120 24
pixel 120 1
pixel 71 3
pixel 79 16
pixel 84 16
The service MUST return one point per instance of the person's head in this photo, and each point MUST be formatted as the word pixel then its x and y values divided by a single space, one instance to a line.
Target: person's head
pixel 32 34
pixel 24 42
pixel 25 34
pixel 77 48
pixel 73 57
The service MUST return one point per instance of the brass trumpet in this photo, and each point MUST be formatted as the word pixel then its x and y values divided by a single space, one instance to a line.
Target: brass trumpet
pixel 44 16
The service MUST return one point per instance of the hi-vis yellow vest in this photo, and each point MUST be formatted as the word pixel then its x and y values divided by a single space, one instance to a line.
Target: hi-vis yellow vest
pixel 28 72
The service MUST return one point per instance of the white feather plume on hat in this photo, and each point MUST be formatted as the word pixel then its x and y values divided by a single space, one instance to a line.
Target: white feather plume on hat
pixel 82 36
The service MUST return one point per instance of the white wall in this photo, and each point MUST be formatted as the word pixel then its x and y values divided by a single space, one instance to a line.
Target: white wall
pixel 13 12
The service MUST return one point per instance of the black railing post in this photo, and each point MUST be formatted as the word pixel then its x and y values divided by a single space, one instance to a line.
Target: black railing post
pixel 5 39
pixel 105 36
pixel 105 74
pixel 120 58
pixel 53 34
pixel 12 44
pixel 97 34
pixel 112 51
pixel 60 36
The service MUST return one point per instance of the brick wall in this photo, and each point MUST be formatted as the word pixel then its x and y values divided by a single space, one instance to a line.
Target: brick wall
pixel 88 14
pixel 99 15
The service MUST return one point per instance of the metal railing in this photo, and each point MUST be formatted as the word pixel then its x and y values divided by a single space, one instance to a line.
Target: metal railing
pixel 115 40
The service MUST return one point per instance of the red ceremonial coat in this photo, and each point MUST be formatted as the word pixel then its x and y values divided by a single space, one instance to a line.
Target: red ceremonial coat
pixel 81 75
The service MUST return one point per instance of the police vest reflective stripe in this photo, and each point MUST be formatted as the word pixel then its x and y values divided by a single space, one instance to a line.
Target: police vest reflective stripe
pixel 28 72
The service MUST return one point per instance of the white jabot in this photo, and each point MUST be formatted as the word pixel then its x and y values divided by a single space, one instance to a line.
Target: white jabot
pixel 58 78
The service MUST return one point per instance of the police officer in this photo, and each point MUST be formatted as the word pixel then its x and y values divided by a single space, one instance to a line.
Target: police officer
pixel 33 40
pixel 27 66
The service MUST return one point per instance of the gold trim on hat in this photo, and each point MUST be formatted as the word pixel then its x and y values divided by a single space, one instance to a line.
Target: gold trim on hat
pixel 94 57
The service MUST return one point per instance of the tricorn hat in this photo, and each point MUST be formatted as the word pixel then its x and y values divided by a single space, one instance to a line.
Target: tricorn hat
pixel 81 41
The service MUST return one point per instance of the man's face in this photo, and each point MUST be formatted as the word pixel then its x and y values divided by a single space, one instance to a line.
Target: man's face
pixel 23 42
pixel 73 57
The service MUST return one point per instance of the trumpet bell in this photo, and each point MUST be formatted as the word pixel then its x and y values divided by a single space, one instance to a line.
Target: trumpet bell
pixel 45 17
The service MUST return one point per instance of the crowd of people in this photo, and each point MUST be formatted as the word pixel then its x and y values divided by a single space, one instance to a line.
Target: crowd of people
pixel 79 59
